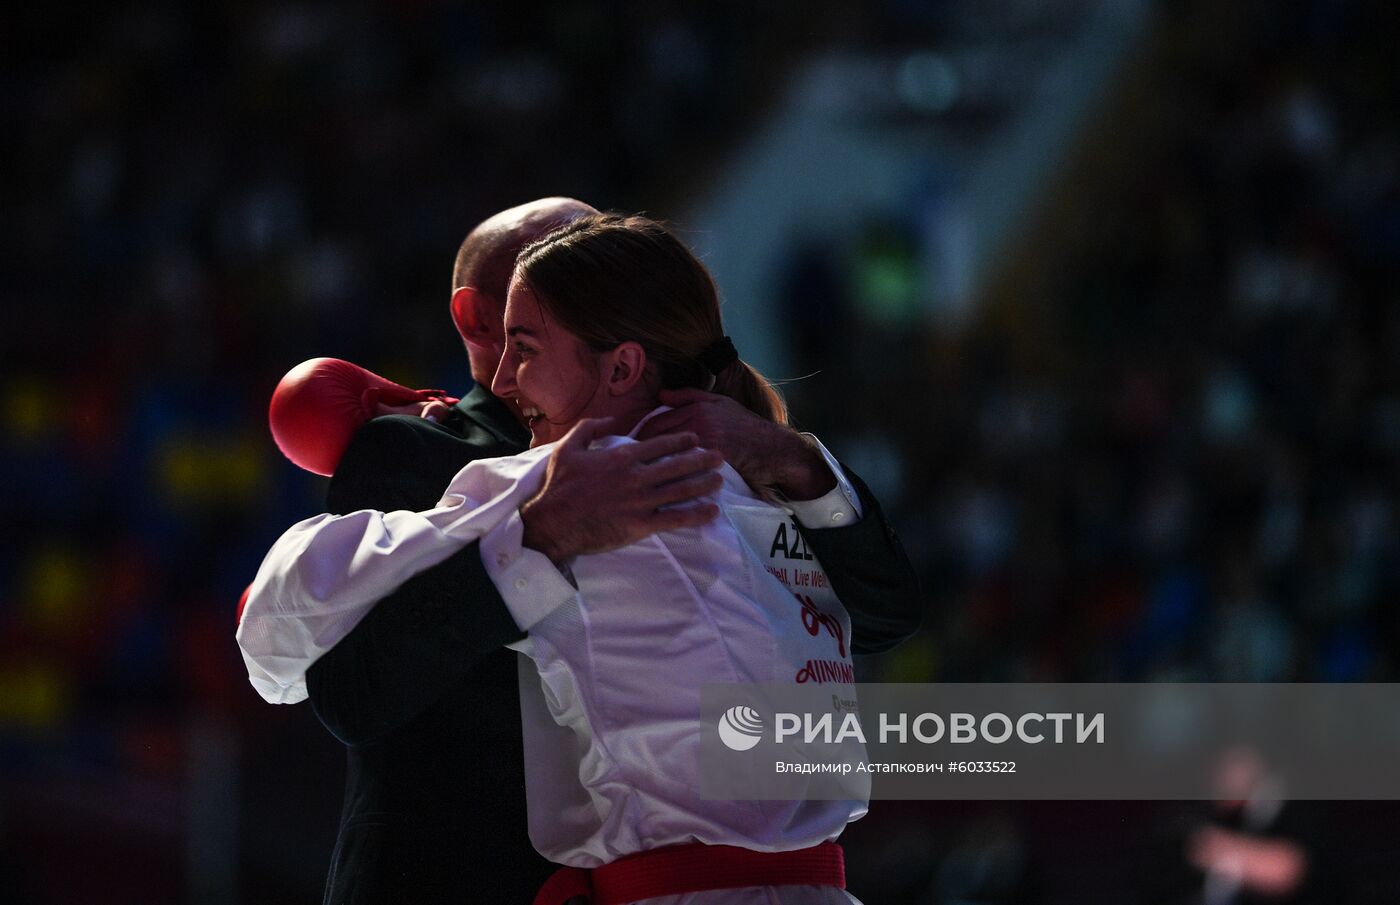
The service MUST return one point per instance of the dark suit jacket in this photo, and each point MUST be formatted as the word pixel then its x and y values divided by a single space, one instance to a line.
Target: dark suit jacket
pixel 424 694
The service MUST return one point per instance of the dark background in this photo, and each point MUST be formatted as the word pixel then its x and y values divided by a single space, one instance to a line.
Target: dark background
pixel 1100 296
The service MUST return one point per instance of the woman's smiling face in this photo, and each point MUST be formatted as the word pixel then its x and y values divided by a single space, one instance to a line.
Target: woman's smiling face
pixel 549 372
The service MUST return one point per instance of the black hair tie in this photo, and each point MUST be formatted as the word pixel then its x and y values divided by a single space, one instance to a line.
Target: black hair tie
pixel 720 355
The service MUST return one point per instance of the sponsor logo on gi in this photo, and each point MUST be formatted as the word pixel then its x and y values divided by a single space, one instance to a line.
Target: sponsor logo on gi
pixel 740 728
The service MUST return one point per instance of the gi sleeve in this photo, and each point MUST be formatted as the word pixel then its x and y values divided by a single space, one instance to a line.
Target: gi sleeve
pixel 325 575
pixel 425 636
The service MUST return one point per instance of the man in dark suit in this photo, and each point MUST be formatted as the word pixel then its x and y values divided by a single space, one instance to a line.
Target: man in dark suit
pixel 424 693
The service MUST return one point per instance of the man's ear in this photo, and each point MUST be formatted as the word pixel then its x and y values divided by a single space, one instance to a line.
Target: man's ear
pixel 626 366
pixel 471 313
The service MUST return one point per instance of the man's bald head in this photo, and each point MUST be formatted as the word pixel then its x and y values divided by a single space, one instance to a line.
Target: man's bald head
pixel 481 276
pixel 487 256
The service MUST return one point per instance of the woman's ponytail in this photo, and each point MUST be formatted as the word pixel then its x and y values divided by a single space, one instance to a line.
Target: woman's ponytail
pixel 743 383
pixel 608 278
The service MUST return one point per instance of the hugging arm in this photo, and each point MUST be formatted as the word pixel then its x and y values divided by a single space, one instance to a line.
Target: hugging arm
pixel 425 635
pixel 871 573
pixel 864 560
pixel 378 611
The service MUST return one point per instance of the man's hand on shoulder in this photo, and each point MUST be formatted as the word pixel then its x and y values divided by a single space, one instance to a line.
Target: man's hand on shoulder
pixel 594 500
pixel 765 453
pixel 434 410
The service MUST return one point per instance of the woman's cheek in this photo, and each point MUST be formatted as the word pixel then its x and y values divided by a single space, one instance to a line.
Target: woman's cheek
pixel 525 374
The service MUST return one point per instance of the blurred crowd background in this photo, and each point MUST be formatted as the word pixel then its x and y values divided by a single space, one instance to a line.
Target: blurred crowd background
pixel 1099 295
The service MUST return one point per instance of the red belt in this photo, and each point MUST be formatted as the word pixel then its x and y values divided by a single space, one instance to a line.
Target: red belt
pixel 694 868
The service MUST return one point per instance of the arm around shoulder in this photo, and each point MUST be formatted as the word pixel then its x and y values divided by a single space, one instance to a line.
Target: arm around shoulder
pixel 871 573
pixel 426 635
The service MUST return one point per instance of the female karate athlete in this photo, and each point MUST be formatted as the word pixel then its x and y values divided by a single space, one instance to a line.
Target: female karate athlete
pixel 600 317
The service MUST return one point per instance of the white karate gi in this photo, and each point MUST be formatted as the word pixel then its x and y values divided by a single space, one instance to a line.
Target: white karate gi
pixel 610 709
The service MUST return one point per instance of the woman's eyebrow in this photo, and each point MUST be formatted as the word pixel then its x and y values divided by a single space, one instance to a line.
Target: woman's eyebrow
pixel 517 331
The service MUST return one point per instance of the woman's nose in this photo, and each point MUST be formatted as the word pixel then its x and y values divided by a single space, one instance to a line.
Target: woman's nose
pixel 503 384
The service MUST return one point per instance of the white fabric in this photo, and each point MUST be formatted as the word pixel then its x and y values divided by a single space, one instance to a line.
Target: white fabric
pixel 610 711
pixel 527 581
pixel 840 505
pixel 531 586
pixel 621 665
pixel 325 573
